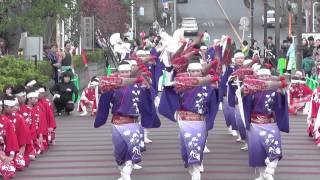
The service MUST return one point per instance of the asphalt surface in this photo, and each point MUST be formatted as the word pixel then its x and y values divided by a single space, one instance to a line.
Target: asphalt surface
pixel 84 153
pixel 211 17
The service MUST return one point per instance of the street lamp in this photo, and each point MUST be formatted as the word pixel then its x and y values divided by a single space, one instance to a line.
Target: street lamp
pixel 313 15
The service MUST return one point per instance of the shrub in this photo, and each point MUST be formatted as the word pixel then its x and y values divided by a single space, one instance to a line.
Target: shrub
pixel 16 71
pixel 95 56
pixel 77 62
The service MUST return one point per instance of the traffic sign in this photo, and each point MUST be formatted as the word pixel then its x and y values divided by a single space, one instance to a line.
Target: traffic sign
pixel 244 28
pixel 244 21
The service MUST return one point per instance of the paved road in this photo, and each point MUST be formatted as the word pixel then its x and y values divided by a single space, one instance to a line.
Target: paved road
pixel 85 153
pixel 211 17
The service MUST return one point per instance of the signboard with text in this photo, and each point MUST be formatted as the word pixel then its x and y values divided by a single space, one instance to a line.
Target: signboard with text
pixel 87 32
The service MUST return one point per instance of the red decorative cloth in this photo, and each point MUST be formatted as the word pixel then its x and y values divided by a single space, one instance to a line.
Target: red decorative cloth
pixel 109 83
pixel 242 72
pixel 251 86
pixel 7 170
pixel 299 95
pixel 184 83
pixel 180 64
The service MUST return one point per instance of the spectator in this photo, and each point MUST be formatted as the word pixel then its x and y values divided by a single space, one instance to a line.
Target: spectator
pixel 270 46
pixel 66 62
pixel 50 53
pixel 206 38
pixel 7 90
pixel 317 54
pixel 308 64
pixel 254 49
pixel 245 48
pixel 63 92
pixel 291 56
pixel 316 44
pixel 282 61
pixel 311 43
pixel 270 52
pixel 305 47
pixel 164 17
pixel 317 60
pixel 284 48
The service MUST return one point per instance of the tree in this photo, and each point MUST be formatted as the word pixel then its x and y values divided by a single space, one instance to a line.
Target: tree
pixel 37 17
pixel 110 15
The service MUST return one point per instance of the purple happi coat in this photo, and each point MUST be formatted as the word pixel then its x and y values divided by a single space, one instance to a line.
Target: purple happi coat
pixel 193 134
pixel 201 100
pixel 264 140
pixel 156 69
pixel 132 101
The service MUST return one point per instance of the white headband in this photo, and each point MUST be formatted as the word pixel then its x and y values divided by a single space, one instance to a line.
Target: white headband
pixel 41 90
pixel 302 82
pixel 20 94
pixel 124 67
pixel 194 66
pixel 295 81
pixel 203 48
pixel 31 83
pixel 247 62
pixel 9 103
pixel 299 73
pixel 216 41
pixel 33 95
pixel 264 72
pixel 256 67
pixel 141 53
pixel 238 55
pixel 94 83
pixel 132 62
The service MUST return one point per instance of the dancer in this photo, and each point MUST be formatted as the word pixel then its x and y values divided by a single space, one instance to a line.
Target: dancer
pixel 193 103
pixel 129 98
pixel 89 97
pixel 266 114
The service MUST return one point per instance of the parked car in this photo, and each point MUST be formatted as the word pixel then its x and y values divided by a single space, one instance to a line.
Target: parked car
pixel 271 18
pixel 190 25
pixel 182 1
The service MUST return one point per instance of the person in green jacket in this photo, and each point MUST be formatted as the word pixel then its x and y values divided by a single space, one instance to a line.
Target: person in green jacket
pixel 308 64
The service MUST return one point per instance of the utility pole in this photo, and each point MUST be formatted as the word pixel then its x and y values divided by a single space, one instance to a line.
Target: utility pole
pixel 308 6
pixel 314 16
pixel 277 28
pixel 265 25
pixel 299 36
pixel 174 15
pixel 133 31
pixel 252 21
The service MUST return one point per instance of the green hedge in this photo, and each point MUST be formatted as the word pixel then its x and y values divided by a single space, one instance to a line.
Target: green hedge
pixel 95 56
pixel 16 71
